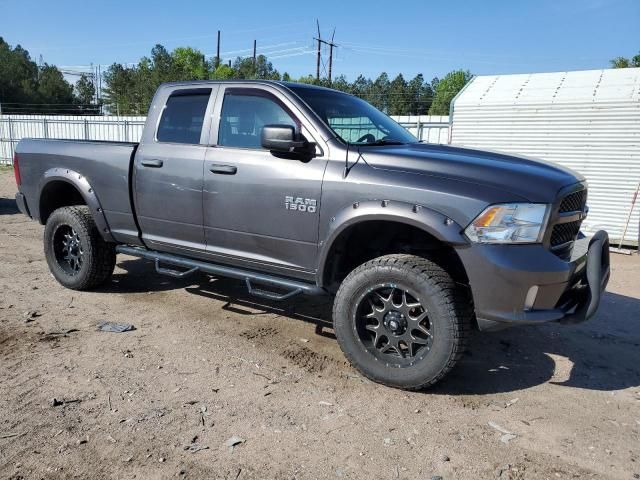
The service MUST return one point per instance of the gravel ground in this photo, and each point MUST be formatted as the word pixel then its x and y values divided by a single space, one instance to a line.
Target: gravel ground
pixel 208 363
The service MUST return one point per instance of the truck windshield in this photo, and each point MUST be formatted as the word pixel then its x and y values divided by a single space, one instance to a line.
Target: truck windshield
pixel 352 119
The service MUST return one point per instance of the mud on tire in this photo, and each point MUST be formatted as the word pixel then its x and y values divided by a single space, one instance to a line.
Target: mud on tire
pixel 402 321
pixel 76 253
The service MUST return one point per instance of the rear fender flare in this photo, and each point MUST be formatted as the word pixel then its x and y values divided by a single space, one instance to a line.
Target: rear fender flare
pixel 87 192
pixel 431 222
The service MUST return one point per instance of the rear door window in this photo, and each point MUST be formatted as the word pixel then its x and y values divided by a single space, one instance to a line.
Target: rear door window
pixel 183 116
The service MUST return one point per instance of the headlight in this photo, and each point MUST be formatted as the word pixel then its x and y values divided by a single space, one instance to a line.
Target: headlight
pixel 509 223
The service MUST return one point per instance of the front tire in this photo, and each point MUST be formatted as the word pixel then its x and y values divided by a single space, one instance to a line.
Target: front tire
pixel 402 321
pixel 76 253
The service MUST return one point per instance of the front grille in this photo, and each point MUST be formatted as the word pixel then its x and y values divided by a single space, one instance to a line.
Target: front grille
pixel 574 202
pixel 564 232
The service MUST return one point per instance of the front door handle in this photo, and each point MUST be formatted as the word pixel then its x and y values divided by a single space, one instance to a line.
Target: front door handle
pixel 153 163
pixel 223 169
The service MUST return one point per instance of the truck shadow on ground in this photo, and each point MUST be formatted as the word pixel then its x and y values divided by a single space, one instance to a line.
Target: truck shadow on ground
pixel 8 206
pixel 603 351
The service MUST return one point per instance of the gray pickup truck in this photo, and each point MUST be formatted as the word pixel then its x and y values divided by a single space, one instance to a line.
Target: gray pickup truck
pixel 296 189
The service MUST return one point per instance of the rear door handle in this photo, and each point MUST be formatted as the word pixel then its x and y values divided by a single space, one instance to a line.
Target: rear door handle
pixel 153 163
pixel 223 169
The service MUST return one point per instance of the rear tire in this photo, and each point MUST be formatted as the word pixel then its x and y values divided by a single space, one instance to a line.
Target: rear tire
pixel 402 321
pixel 76 253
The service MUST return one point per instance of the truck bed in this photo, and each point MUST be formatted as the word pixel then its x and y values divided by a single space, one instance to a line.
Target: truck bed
pixel 105 165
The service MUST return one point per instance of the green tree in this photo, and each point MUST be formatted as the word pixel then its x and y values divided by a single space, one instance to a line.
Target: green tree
pixel 24 88
pixel 85 91
pixel 246 68
pixel 223 72
pixel 145 80
pixel 265 69
pixel 623 62
pixel 446 89
pixel 399 99
pixel 56 94
pixel 120 84
pixel 620 62
pixel 341 83
pixel 129 89
pixel 361 87
pixel 310 79
pixel 380 94
pixel 188 64
pixel 419 96
pixel 18 75
pixel 161 65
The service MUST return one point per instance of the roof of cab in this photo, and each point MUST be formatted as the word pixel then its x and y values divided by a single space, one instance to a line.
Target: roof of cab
pixel 290 85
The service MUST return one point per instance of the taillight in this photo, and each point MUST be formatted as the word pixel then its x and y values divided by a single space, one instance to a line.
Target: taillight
pixel 16 169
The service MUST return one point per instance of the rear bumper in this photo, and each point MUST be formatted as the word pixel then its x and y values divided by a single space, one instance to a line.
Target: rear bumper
pixel 21 201
pixel 527 284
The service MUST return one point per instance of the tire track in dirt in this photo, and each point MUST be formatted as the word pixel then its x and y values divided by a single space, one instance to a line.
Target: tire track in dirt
pixel 300 355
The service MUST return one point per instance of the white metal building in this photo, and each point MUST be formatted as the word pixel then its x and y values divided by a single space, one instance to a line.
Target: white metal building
pixel 587 120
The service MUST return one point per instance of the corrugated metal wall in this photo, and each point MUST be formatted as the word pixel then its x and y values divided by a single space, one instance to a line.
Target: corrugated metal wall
pixel 588 121
pixel 431 129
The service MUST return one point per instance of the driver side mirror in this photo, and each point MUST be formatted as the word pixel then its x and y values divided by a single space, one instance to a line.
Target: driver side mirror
pixel 282 139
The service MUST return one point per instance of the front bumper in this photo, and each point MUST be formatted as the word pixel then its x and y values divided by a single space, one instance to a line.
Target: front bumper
pixel 527 284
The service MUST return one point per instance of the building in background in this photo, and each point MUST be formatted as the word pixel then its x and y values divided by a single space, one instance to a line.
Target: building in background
pixel 588 121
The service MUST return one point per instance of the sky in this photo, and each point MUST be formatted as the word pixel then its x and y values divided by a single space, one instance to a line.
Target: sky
pixel 408 37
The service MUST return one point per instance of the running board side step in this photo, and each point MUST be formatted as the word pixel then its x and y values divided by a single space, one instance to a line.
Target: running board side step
pixel 295 287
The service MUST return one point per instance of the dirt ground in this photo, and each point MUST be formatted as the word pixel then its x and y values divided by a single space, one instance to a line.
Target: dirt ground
pixel 207 362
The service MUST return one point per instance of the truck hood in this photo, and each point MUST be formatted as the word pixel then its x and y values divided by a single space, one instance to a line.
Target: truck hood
pixel 527 178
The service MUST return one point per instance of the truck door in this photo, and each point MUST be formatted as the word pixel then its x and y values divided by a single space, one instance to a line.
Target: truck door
pixel 259 210
pixel 169 168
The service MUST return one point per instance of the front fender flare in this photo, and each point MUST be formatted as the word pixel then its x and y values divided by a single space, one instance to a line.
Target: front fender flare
pixel 430 221
pixel 87 192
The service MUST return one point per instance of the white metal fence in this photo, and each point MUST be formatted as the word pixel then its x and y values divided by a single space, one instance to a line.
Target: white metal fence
pixel 15 127
pixel 431 129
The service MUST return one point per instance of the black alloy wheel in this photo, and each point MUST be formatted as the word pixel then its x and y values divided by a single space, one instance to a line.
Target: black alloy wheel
pixel 68 249
pixel 393 325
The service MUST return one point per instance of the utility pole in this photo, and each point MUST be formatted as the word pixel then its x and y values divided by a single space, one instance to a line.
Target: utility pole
pixel 318 57
pixel 254 54
pixel 99 109
pixel 218 51
pixel 93 75
pixel 331 45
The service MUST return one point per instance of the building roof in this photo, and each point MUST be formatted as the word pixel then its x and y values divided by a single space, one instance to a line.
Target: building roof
pixel 610 85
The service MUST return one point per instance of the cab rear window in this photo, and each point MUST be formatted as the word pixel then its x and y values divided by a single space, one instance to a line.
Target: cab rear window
pixel 183 116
